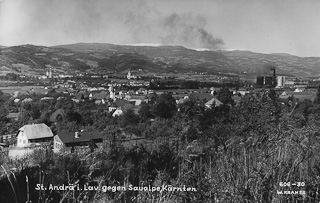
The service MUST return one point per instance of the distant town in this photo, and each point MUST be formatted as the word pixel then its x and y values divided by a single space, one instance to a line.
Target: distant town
pixel 123 85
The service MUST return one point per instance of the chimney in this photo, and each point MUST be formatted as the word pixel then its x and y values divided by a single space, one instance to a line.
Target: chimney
pixel 274 77
pixel 76 135
pixel 274 72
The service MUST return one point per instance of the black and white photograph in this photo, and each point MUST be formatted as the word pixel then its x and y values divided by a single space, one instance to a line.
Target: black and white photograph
pixel 159 101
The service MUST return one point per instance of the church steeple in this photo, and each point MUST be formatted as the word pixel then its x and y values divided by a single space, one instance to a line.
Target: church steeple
pixel 129 75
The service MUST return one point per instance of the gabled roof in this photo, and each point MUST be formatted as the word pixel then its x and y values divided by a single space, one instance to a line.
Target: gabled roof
pixel 68 138
pixel 180 101
pixel 100 95
pixel 117 112
pixel 213 101
pixel 82 95
pixel 121 103
pixel 298 90
pixel 27 100
pixel 36 131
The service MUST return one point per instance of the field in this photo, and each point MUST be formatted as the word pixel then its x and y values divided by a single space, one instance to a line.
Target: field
pixel 304 95
pixel 13 89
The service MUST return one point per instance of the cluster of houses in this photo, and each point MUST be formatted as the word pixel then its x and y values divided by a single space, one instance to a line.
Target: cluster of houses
pixel 33 136
pixel 118 101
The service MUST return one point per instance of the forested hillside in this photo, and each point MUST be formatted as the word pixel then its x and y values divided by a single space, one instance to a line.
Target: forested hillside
pixel 105 58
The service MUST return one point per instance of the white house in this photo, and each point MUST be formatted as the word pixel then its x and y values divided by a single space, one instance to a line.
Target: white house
pixel 298 90
pixel 118 112
pixel 34 133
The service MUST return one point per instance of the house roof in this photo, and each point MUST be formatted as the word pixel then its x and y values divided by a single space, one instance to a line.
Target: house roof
pixel 284 96
pixel 142 89
pixel 180 101
pixel 100 95
pixel 117 112
pixel 46 98
pixel 27 100
pixel 68 138
pixel 138 97
pixel 121 103
pixel 82 95
pixel 36 131
pixel 213 101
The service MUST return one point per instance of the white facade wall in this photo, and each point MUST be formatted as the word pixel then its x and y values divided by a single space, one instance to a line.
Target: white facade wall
pixel 22 140
pixel 281 81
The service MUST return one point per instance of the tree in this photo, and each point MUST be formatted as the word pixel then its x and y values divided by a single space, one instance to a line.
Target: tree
pixel 3 119
pixel 317 99
pixel 225 96
pixel 152 98
pixel 144 111
pixel 129 118
pixel 165 106
pixel 192 108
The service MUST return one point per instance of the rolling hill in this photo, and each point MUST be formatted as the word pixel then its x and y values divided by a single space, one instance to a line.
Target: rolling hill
pixel 103 58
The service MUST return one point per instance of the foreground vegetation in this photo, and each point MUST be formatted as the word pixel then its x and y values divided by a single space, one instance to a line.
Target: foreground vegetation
pixel 242 152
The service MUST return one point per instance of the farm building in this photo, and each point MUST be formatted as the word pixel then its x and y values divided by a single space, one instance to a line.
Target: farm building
pixel 76 139
pixel 34 133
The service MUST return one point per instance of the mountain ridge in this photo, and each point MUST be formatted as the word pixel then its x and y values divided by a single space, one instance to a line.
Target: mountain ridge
pixel 106 57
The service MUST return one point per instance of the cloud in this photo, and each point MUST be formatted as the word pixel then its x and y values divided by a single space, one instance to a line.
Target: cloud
pixel 50 22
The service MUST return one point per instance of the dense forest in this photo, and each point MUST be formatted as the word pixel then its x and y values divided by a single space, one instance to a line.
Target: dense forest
pixel 236 152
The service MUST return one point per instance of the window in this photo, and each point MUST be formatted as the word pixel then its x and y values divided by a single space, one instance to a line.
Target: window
pixel 24 141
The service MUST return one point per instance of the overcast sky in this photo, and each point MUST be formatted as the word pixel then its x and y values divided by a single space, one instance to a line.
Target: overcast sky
pixel 265 26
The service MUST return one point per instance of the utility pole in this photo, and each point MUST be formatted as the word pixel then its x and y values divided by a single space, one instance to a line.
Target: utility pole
pixel 27 181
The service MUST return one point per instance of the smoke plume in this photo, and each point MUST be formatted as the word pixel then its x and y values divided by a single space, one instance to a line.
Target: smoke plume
pixel 52 22
pixel 266 69
pixel 188 30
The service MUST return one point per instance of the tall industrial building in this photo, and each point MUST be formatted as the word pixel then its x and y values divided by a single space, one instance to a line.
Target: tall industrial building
pixel 281 81
pixel 269 80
